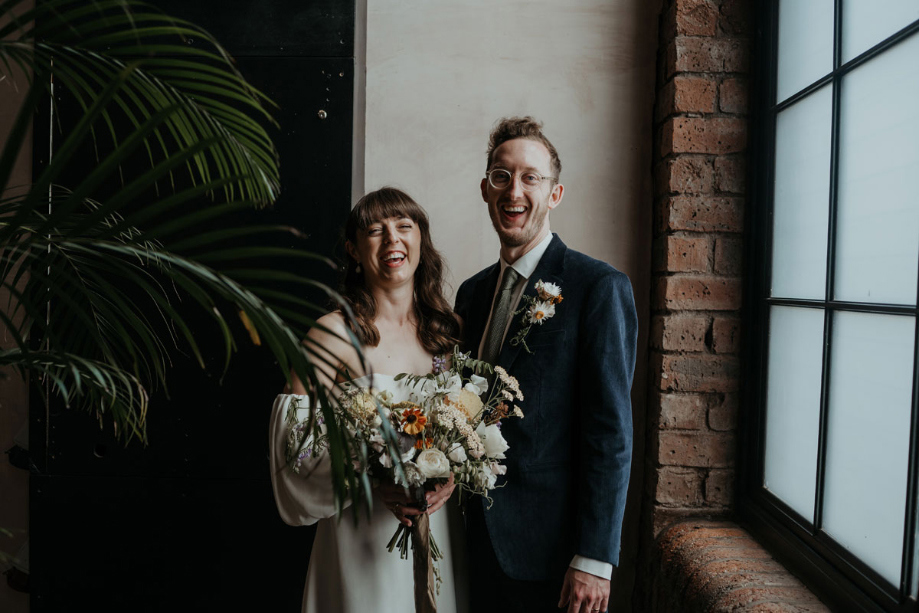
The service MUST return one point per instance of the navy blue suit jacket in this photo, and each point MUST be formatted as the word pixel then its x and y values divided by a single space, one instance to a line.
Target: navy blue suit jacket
pixel 569 457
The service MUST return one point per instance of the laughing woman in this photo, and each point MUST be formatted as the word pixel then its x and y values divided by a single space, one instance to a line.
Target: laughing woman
pixel 393 283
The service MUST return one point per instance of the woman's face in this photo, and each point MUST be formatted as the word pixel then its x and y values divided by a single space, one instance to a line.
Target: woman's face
pixel 388 251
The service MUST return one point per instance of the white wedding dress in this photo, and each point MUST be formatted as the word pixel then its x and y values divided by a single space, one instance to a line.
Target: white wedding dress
pixel 350 569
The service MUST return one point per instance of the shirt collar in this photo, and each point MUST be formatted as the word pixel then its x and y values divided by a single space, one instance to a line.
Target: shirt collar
pixel 527 263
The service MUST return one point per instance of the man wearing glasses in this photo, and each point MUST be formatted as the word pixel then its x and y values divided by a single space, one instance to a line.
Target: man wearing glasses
pixel 551 538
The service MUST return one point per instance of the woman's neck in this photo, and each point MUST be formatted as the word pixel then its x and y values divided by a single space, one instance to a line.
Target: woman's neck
pixel 395 305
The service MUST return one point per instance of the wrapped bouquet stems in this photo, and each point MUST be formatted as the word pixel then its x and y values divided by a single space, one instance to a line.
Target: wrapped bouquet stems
pixel 423 564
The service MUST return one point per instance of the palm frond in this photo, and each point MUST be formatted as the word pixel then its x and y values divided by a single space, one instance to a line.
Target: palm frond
pixel 110 272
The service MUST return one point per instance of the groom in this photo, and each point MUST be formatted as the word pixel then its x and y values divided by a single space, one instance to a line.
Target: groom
pixel 551 539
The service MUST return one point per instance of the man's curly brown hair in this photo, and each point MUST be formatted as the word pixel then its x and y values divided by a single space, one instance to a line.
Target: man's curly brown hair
pixel 510 128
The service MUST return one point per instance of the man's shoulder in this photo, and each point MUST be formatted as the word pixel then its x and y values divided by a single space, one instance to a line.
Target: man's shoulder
pixel 591 270
pixel 471 282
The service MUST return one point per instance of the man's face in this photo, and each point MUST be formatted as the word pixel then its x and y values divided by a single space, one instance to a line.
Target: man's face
pixel 519 216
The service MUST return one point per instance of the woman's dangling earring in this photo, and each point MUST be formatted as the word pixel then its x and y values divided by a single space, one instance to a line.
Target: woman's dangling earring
pixel 357 269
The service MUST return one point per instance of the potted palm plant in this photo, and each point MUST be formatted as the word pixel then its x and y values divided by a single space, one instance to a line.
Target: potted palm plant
pixel 113 270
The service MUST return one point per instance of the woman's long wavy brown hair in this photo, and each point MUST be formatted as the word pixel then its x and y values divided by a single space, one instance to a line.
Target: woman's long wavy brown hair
pixel 438 329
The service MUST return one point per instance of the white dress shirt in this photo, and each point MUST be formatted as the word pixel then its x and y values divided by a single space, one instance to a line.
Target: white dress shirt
pixel 525 266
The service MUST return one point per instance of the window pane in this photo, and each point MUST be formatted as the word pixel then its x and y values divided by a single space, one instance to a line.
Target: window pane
pixel 802 188
pixel 793 406
pixel 805 44
pixel 868 437
pixel 878 225
pixel 865 23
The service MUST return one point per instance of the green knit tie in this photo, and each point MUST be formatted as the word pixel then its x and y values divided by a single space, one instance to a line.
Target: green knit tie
pixel 499 315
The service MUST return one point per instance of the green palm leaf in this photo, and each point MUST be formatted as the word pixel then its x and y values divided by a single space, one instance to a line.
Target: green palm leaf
pixel 108 273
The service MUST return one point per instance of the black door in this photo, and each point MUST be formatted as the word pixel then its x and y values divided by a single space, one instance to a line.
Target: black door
pixel 189 523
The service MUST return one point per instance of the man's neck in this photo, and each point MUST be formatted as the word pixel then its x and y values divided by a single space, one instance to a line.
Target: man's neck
pixel 512 254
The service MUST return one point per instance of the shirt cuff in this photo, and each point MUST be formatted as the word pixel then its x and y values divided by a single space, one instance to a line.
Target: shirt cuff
pixel 604 570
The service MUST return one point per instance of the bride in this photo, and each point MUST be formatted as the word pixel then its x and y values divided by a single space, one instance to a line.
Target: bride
pixel 393 284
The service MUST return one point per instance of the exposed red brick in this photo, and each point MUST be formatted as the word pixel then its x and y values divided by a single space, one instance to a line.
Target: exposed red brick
pixel 679 486
pixel 696 17
pixel 730 174
pixel 686 174
pixel 717 135
pixel 663 518
pixel 735 567
pixel 722 414
pixel 725 335
pixel 667 27
pixel 679 333
pixel 683 254
pixel 702 54
pixel 784 607
pixel 698 535
pixel 736 17
pixel 701 214
pixel 699 183
pixel 699 372
pixel 699 449
pixel 705 588
pixel 734 96
pixel 714 566
pixel 685 293
pixel 686 94
pixel 719 487
pixel 739 599
pixel 682 411
pixel 729 255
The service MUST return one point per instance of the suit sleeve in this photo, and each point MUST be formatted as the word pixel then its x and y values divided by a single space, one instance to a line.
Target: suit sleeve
pixel 606 365
pixel 460 304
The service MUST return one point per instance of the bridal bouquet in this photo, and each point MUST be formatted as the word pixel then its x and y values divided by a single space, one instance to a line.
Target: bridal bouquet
pixel 449 423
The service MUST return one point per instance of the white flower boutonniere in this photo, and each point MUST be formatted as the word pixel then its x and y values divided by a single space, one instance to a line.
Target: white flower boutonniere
pixel 536 310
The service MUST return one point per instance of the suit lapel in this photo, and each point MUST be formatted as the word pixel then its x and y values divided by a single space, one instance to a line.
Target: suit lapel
pixel 483 294
pixel 549 269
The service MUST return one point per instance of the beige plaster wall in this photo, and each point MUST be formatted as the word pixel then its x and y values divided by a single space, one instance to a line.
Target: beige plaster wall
pixel 438 75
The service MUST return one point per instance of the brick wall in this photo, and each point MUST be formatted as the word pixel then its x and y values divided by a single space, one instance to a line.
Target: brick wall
pixel 687 562
pixel 699 168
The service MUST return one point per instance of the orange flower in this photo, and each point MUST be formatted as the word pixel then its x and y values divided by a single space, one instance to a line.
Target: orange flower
pixel 413 421
pixel 424 443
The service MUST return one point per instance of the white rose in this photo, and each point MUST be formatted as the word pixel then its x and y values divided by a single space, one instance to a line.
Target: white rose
pixel 492 440
pixel 433 463
pixel 457 453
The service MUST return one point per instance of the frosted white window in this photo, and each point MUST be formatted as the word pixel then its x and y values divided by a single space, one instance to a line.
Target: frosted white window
pixel 793 406
pixel 871 380
pixel 865 23
pixel 878 224
pixel 802 188
pixel 805 44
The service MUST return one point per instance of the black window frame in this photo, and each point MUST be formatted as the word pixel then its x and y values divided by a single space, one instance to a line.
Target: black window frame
pixel 832 572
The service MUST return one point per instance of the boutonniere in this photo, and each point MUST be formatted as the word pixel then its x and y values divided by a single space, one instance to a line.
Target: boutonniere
pixel 536 310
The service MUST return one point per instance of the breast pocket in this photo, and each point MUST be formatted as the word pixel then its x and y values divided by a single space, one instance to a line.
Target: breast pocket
pixel 545 338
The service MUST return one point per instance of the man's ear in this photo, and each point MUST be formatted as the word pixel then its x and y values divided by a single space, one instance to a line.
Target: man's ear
pixel 484 186
pixel 555 198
